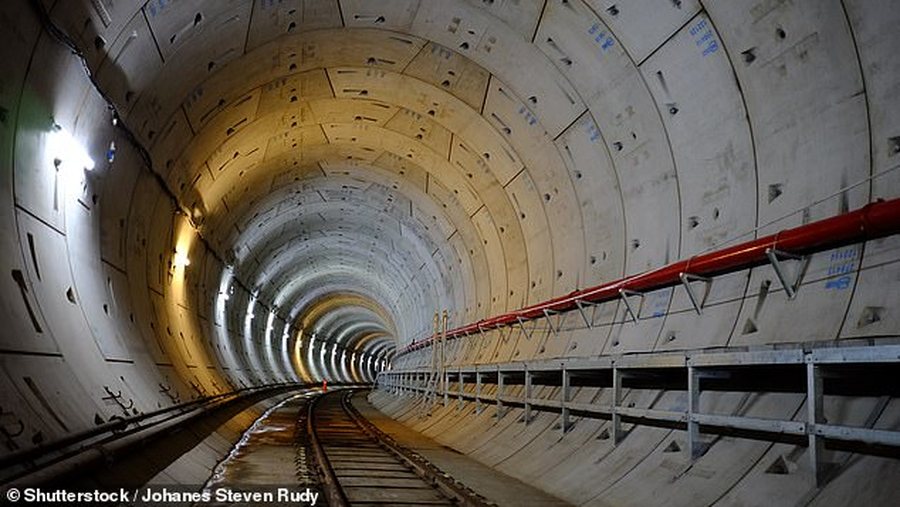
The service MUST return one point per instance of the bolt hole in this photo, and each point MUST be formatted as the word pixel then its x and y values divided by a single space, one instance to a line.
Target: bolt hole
pixel 749 55
pixel 894 143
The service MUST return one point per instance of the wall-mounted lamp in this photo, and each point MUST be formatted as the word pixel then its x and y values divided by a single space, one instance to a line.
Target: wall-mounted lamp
pixel 67 152
pixel 180 259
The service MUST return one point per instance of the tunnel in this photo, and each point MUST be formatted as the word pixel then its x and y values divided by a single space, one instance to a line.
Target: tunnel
pixel 600 252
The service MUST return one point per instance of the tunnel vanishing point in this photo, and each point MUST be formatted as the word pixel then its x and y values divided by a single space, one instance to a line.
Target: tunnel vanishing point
pixel 627 252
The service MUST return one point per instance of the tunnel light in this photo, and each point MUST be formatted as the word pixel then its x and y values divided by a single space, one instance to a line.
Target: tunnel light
pixel 70 159
pixel 180 259
pixel 67 152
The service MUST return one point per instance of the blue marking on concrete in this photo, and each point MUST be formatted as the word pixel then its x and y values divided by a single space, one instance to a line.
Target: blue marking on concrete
pixel 704 37
pixel 839 283
pixel 601 37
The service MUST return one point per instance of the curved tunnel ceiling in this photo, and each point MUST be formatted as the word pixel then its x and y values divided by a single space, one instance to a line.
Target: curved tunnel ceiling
pixel 308 182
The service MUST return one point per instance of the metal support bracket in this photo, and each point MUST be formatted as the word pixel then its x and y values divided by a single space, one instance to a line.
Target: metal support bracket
pixel 775 257
pixel 522 325
pixel 686 279
pixel 588 322
pixel 550 323
pixel 625 294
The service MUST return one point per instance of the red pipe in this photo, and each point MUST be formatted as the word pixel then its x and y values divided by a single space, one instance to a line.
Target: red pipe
pixel 872 221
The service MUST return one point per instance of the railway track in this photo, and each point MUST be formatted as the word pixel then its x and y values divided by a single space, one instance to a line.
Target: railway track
pixel 359 465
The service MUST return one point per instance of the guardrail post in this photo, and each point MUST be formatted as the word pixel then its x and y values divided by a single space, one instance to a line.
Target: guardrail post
pixel 693 427
pixel 459 399
pixel 477 391
pixel 815 415
pixel 499 413
pixel 616 397
pixel 527 396
pixel 446 387
pixel 564 409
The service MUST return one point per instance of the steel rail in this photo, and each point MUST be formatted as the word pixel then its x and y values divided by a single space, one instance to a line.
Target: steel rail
pixel 119 427
pixel 42 464
pixel 872 221
pixel 334 494
pixel 447 485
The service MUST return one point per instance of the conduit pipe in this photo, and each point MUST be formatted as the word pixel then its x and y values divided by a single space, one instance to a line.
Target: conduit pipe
pixel 872 221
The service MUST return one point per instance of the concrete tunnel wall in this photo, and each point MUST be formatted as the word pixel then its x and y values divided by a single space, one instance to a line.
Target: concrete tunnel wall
pixel 340 171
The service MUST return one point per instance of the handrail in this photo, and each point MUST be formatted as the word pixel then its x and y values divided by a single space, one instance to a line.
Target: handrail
pixel 872 221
